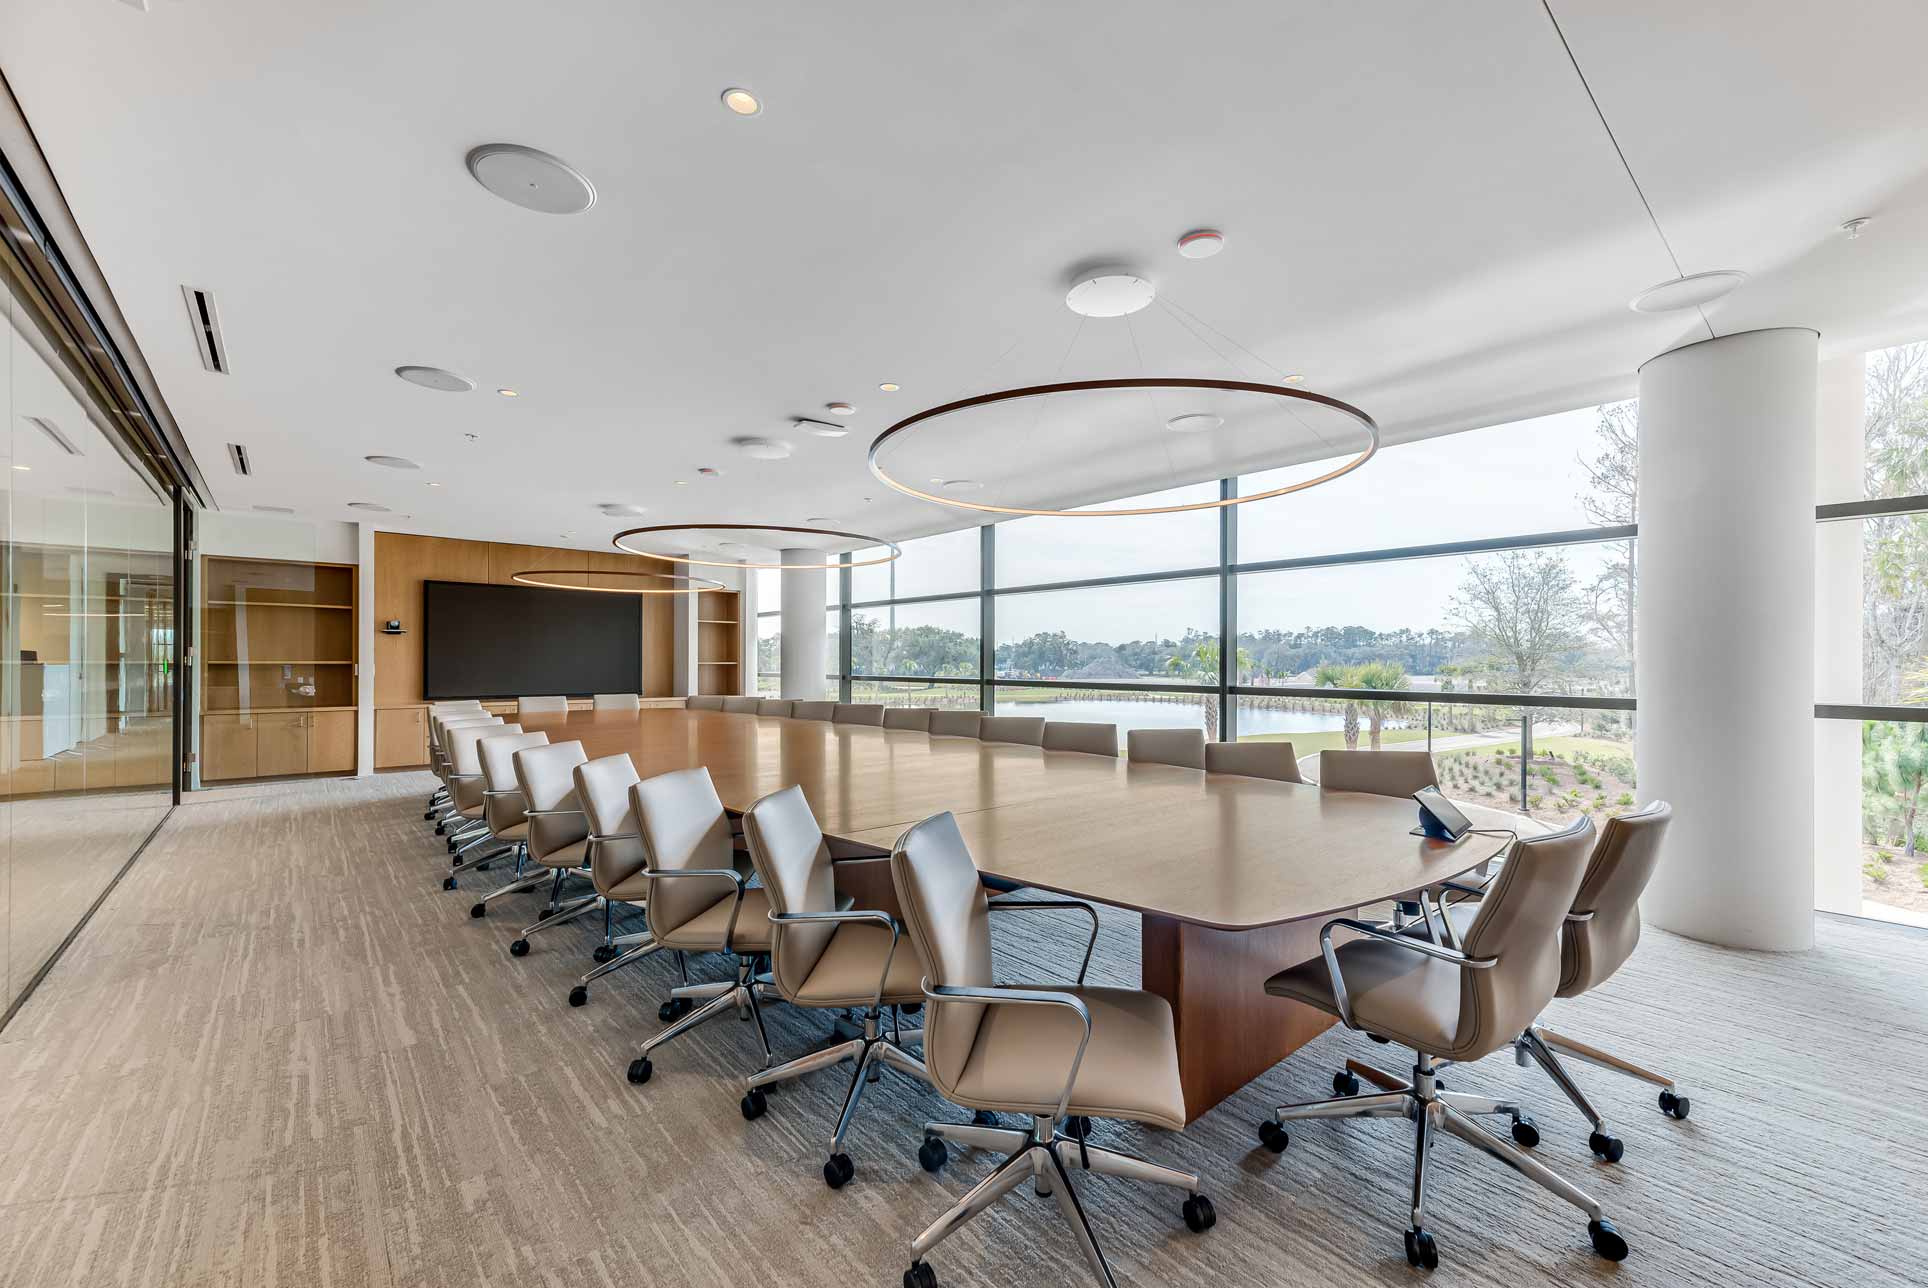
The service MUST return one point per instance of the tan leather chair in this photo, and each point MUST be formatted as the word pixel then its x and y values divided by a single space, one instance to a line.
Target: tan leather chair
pixel 504 809
pixel 1182 747
pixel 740 705
pixel 698 901
pixel 443 807
pixel 615 702
pixel 1456 1006
pixel 1054 1052
pixel 1074 735
pixel 775 707
pixel 918 718
pixel 1025 730
pixel 435 710
pixel 548 706
pixel 955 724
pixel 812 710
pixel 1274 760
pixel 465 793
pixel 823 957
pixel 615 863
pixel 858 713
pixel 558 840
pixel 1382 773
pixel 705 702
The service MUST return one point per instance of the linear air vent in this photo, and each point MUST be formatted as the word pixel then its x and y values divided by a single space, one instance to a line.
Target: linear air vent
pixel 239 456
pixel 206 322
pixel 59 435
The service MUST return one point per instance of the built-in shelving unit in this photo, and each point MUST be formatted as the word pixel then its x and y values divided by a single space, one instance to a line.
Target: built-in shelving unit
pixel 719 642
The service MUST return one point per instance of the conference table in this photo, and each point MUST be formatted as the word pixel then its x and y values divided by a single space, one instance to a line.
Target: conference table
pixel 1232 877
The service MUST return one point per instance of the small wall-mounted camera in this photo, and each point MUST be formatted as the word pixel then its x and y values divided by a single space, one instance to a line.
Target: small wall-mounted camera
pixel 392 627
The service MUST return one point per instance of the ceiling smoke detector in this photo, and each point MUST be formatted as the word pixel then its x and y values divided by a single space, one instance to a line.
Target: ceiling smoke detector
pixel 1110 295
pixel 620 509
pixel 531 179
pixel 821 428
pixel 1194 423
pixel 1201 243
pixel 368 505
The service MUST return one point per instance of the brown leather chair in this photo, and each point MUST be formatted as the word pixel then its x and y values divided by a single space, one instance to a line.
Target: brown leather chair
pixel 504 809
pixel 740 705
pixel 615 863
pixel 1382 773
pixel 703 702
pixel 775 707
pixel 1025 730
pixel 918 718
pixel 1089 738
pixel 1274 760
pixel 955 724
pixel 1067 1051
pixel 469 830
pixel 812 710
pixel 858 713
pixel 558 836
pixel 822 957
pixel 1184 748
pixel 1452 1005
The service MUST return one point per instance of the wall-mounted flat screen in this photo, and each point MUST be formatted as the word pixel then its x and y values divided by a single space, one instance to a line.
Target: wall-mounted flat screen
pixel 483 641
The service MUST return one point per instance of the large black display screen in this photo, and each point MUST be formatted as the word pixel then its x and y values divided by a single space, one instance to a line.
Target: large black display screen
pixel 527 641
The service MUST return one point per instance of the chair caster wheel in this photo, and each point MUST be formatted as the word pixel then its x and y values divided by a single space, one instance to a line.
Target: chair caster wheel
pixel 838 1171
pixel 1672 1105
pixel 639 1070
pixel 1421 1251
pixel 520 948
pixel 920 1275
pixel 1608 1147
pixel 984 1118
pixel 670 1010
pixel 754 1105
pixel 448 883
pixel 1345 1083
pixel 933 1154
pixel 1199 1216
pixel 603 954
pixel 1525 1133
pixel 1273 1136
pixel 1078 1127
pixel 578 995
pixel 1606 1240
pixel 478 910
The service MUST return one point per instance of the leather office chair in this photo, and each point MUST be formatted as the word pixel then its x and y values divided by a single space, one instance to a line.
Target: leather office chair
pixel 558 840
pixel 858 713
pixel 823 957
pixel 435 710
pixel 918 718
pixel 812 710
pixel 955 724
pixel 615 702
pixel 1452 1006
pixel 1075 735
pixel 698 901
pixel 775 707
pixel 551 706
pixel 443 810
pixel 504 808
pixel 1182 747
pixel 739 705
pixel 1382 773
pixel 1274 760
pixel 465 795
pixel 703 702
pixel 1051 1053
pixel 615 863
pixel 1026 730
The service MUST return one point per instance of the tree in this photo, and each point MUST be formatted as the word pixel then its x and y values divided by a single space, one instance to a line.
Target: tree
pixel 1382 675
pixel 1614 501
pixel 1523 607
pixel 1329 676
pixel 1894 770
pixel 1895 551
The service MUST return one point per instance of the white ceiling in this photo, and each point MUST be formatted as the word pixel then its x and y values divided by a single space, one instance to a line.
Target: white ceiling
pixel 1422 215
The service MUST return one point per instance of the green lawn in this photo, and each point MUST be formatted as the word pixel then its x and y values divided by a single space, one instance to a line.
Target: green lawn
pixel 1306 743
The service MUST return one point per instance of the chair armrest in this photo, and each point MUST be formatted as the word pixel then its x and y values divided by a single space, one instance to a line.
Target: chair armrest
pixel 553 813
pixel 855 914
pixel 1027 997
pixel 1425 947
pixel 734 877
pixel 1087 909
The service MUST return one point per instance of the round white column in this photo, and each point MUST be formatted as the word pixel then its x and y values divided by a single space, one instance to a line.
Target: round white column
pixel 1725 635
pixel 805 597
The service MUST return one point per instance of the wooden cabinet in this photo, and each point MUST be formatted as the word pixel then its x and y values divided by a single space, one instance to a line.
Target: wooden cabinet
pixel 401 737
pixel 282 744
pixel 331 742
pixel 228 748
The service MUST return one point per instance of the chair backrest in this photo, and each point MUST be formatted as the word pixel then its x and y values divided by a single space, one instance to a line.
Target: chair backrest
pixel 812 710
pixel 908 718
pixel 616 702
pixel 1274 760
pixel 740 705
pixel 463 757
pixel 1028 730
pixel 704 702
pixel 1519 923
pixel 602 785
pixel 955 724
pixel 943 906
pixel 547 778
pixel 1382 773
pixel 1623 862
pixel 1182 747
pixel 1077 735
pixel 858 713
pixel 504 805
pixel 683 825
pixel 793 861
pixel 439 726
pixel 553 706
pixel 774 707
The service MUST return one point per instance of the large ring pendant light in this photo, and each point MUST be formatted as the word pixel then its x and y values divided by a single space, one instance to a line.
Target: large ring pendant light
pixel 626 583
pixel 1364 421
pixel 891 549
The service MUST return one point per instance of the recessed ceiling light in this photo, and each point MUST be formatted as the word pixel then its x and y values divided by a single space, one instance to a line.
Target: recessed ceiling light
pixel 508 393
pixel 435 378
pixel 682 482
pixel 889 388
pixel 1294 379
pixel 839 408
pixel 1689 292
pixel 960 485
pixel 1194 423
pixel 275 509
pixel 392 462
pixel 821 428
pixel 531 179
pixel 368 505
pixel 1110 295
pixel 431 485
pixel 23 468
pixel 742 102
pixel 1201 243
pixel 762 449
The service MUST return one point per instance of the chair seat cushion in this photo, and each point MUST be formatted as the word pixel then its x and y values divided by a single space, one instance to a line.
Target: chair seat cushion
pixel 573 855
pixel 1130 1068
pixel 513 832
pixel 1395 992
pixel 846 973
pixel 704 932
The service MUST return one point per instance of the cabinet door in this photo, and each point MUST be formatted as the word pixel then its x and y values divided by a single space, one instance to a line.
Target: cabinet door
pixel 282 739
pixel 401 737
pixel 228 747
pixel 331 742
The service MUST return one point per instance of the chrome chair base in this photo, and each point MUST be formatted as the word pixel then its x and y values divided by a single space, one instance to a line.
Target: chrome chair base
pixel 1544 1048
pixel 1046 1159
pixel 869 1052
pixel 741 996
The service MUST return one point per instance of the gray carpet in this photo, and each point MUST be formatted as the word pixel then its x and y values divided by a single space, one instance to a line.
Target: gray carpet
pixel 280 1055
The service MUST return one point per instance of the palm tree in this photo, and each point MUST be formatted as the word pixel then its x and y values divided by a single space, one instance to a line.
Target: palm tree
pixel 1383 675
pixel 1330 675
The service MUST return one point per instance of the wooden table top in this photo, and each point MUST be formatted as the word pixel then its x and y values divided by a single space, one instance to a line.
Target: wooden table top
pixel 1218 850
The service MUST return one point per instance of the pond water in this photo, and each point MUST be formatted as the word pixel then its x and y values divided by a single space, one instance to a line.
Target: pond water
pixel 1177 715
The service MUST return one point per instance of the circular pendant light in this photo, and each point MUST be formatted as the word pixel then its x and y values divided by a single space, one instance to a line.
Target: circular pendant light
pixel 625 583
pixel 1252 432
pixel 697 530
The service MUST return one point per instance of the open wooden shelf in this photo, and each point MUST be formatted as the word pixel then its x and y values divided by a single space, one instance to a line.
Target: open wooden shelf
pixel 719 642
pixel 274 603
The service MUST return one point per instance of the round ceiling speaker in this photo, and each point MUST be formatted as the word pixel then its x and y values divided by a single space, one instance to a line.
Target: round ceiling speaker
pixel 1201 243
pixel 1196 423
pixel 1112 295
pixel 1688 292
pixel 531 179
pixel 392 462
pixel 762 449
pixel 436 378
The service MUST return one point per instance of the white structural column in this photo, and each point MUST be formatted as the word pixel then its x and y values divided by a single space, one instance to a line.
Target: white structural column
pixel 1725 631
pixel 804 600
pixel 1840 452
